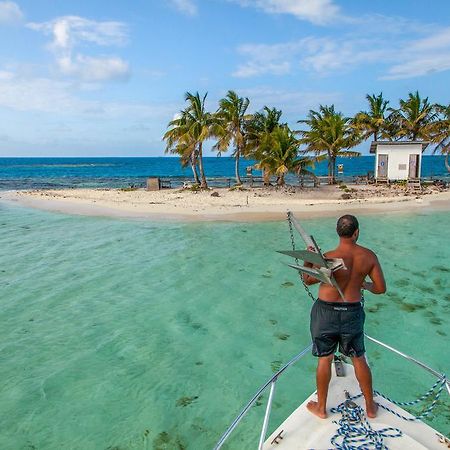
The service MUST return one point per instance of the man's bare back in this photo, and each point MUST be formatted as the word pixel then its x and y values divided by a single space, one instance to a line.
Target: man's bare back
pixel 360 262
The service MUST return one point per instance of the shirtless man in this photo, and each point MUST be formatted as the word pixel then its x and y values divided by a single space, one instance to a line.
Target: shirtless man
pixel 334 322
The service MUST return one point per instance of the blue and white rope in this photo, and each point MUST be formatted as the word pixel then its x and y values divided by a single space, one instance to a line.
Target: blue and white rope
pixel 355 431
pixel 440 383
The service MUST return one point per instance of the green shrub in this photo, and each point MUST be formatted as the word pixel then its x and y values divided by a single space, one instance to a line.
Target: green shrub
pixel 128 189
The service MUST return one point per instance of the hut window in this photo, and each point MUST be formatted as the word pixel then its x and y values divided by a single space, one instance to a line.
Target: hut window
pixel 402 167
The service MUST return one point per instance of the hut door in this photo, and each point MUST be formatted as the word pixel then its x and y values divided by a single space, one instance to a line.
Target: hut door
pixel 382 166
pixel 413 166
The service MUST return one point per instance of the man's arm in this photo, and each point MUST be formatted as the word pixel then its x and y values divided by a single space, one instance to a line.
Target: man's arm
pixel 378 284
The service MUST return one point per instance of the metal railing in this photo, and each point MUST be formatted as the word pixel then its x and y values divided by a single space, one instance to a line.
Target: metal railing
pixel 272 381
pixel 410 358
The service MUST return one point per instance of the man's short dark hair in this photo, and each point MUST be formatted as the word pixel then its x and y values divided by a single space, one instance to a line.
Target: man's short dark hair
pixel 346 226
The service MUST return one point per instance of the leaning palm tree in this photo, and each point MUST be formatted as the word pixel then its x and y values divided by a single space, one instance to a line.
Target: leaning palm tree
pixel 329 133
pixel 415 118
pixel 202 126
pixel 278 154
pixel 440 134
pixel 231 117
pixel 188 133
pixel 375 121
pixel 180 142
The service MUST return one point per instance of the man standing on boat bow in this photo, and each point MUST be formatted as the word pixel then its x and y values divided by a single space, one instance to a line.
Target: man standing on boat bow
pixel 334 321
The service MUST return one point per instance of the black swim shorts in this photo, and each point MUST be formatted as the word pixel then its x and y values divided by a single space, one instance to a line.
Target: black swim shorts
pixel 337 323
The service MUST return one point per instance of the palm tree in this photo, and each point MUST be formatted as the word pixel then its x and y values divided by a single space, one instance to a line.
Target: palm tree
pixel 202 126
pixel 180 142
pixel 329 133
pixel 373 122
pixel 231 117
pixel 415 118
pixel 441 133
pixel 278 154
pixel 191 130
pixel 258 129
pixel 261 123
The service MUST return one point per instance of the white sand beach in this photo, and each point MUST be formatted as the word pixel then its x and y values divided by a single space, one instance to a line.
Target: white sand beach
pixel 252 204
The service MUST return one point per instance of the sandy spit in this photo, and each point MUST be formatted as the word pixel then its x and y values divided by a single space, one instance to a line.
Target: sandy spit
pixel 223 204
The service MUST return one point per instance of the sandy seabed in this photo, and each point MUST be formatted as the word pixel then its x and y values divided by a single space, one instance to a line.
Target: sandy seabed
pixel 224 204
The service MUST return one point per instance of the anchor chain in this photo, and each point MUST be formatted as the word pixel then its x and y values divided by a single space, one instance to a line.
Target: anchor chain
pixel 291 231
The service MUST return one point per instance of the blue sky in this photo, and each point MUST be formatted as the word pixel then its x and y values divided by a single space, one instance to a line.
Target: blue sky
pixel 103 78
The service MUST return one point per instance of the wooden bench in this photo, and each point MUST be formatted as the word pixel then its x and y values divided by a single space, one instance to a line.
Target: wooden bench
pixel 308 179
pixel 165 183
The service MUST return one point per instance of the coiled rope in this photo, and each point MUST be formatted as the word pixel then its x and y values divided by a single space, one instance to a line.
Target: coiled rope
pixel 355 431
pixel 354 428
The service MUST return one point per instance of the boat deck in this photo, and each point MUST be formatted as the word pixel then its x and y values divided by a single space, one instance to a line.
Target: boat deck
pixel 302 430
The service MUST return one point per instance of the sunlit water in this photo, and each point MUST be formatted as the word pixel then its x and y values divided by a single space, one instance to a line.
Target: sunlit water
pixel 121 334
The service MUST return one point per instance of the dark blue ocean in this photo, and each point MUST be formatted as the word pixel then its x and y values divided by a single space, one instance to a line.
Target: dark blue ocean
pixel 34 173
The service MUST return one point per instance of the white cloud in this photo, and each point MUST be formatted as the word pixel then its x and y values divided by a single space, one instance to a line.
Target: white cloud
pixel 319 12
pixel 437 40
pixel 264 59
pixel 10 12
pixel 38 94
pixel 421 57
pixel 290 102
pixel 393 58
pixel 69 31
pixel 47 95
pixel 326 56
pixel 419 66
pixel 187 7
pixel 91 69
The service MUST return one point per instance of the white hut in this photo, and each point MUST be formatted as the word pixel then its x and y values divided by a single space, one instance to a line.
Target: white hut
pixel 399 160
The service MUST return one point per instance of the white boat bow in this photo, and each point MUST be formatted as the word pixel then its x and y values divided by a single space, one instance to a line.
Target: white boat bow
pixel 393 428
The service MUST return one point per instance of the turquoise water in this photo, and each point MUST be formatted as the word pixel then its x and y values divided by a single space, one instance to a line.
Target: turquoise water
pixel 121 334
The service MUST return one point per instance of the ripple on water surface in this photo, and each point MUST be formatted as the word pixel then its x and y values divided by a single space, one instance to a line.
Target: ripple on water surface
pixel 122 334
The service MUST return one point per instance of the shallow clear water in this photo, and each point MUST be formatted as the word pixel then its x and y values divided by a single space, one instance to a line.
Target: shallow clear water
pixel 121 334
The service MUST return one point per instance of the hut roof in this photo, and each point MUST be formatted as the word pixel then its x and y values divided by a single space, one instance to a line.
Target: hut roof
pixel 375 144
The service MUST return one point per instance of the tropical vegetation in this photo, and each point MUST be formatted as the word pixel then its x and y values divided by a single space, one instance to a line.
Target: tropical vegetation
pixel 278 149
pixel 329 134
pixel 231 117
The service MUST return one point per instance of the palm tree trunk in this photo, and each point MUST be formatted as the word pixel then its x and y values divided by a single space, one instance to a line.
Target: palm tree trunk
pixel 266 177
pixel 203 183
pixel 194 167
pixel 332 169
pixel 237 155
